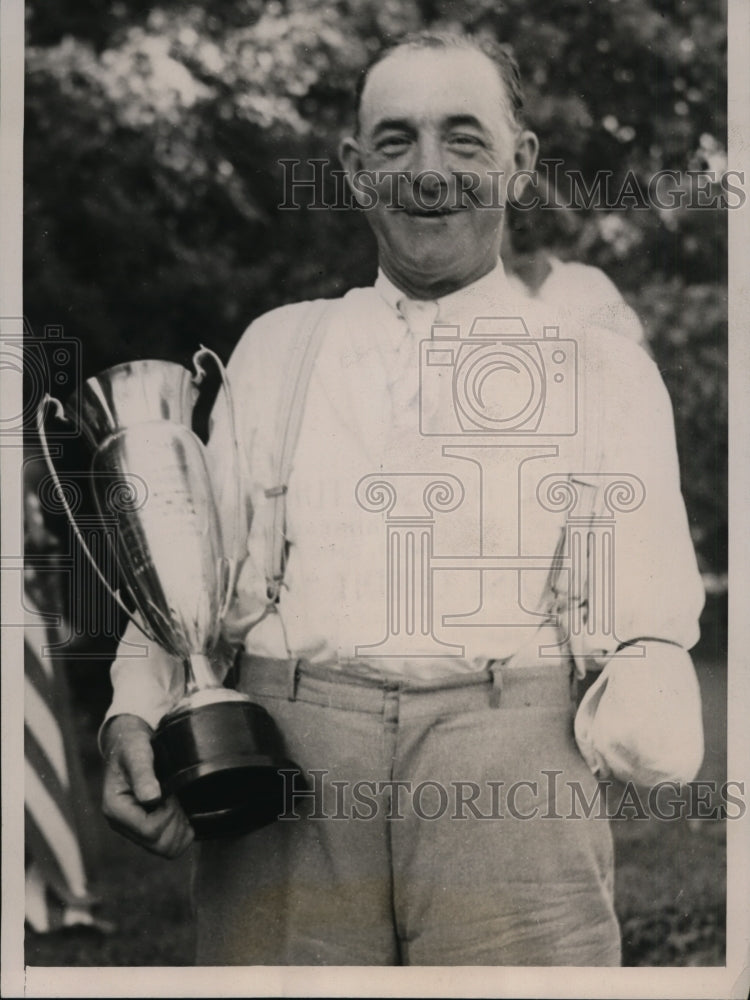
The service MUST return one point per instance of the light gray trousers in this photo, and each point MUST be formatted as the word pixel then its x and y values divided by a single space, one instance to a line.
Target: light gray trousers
pixel 438 829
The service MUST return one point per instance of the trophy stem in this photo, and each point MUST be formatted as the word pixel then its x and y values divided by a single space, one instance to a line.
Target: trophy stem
pixel 199 674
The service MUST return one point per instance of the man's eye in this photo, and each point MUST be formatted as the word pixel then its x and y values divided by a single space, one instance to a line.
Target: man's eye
pixel 466 142
pixel 393 144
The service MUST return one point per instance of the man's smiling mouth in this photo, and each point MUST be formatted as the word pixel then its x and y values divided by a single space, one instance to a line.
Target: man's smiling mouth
pixel 432 213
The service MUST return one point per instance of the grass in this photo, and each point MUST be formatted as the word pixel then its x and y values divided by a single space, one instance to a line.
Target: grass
pixel 670 889
pixel 670 875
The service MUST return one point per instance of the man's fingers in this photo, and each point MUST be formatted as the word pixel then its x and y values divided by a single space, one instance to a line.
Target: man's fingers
pixel 165 830
pixel 176 836
pixel 125 814
pixel 138 764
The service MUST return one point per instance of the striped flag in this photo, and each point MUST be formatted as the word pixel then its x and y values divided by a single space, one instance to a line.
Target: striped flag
pixel 57 890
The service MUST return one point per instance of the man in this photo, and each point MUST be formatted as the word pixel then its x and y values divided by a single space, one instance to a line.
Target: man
pixel 463 695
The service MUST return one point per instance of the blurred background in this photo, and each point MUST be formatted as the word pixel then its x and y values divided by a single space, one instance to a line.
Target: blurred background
pixel 152 148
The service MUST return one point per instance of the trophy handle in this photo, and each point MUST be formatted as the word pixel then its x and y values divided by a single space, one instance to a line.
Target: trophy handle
pixel 47 401
pixel 233 562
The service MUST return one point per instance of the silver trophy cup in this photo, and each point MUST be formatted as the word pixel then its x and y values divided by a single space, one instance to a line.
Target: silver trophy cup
pixel 217 751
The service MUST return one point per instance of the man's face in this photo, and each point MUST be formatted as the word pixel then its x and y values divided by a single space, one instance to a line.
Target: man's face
pixel 440 119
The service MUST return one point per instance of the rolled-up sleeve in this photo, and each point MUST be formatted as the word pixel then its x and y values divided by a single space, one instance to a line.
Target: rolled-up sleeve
pixel 146 680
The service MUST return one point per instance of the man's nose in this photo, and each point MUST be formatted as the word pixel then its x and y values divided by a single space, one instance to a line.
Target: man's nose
pixel 429 166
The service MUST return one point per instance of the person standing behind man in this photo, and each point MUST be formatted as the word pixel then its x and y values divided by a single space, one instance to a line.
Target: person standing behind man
pixel 405 889
pixel 581 295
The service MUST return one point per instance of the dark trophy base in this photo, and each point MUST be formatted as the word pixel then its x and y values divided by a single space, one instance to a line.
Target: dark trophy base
pixel 222 761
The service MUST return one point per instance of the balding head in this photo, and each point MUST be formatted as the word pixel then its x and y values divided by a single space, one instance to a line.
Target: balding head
pixel 500 56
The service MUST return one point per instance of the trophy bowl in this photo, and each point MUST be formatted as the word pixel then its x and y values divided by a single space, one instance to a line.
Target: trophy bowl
pixel 220 754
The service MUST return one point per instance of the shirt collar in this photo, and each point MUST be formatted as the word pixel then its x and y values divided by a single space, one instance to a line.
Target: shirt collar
pixel 492 287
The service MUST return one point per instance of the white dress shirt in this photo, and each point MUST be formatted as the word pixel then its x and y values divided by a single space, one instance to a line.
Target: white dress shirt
pixel 362 418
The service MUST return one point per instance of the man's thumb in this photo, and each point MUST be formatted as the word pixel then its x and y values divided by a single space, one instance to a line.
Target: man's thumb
pixel 137 759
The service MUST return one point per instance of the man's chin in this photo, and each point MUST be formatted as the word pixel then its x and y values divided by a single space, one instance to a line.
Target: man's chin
pixel 431 275
pixel 442 257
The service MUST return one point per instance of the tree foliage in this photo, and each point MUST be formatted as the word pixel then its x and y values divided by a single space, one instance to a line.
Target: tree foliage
pixel 153 137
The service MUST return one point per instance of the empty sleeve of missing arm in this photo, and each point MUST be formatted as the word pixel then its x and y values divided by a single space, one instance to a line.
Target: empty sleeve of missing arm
pixel 656 588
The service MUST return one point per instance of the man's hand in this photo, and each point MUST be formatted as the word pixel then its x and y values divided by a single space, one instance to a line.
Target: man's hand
pixel 132 800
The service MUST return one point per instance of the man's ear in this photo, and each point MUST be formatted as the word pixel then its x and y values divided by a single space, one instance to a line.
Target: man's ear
pixel 524 159
pixel 350 156
pixel 527 150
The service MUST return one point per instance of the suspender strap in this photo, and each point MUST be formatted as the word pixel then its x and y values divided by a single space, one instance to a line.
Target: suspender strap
pixel 305 346
pixel 556 597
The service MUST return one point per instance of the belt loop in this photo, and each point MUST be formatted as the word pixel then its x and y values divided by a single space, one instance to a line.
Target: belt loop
pixel 497 683
pixel 292 677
